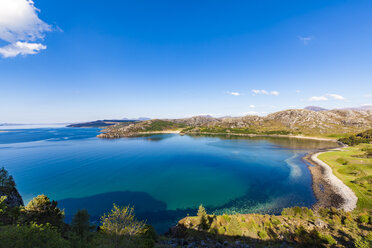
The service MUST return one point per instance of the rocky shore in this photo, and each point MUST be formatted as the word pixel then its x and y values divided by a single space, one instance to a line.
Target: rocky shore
pixel 329 190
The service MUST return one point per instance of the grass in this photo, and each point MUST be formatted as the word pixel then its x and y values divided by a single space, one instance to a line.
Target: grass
pixel 295 225
pixel 353 167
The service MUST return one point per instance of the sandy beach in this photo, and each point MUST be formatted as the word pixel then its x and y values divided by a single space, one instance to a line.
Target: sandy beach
pixel 329 190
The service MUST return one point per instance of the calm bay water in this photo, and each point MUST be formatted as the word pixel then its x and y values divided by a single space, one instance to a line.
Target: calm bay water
pixel 164 176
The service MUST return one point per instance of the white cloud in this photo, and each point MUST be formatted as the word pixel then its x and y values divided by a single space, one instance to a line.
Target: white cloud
pixel 368 95
pixel 325 97
pixel 274 93
pixel 318 98
pixel 298 91
pixel 22 48
pixel 306 40
pixel 265 92
pixel 20 26
pixel 234 93
pixel 252 106
pixel 336 97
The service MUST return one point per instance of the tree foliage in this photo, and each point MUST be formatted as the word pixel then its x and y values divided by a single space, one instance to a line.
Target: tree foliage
pixel 80 224
pixel 363 137
pixel 31 236
pixel 7 183
pixel 42 211
pixel 203 217
pixel 121 221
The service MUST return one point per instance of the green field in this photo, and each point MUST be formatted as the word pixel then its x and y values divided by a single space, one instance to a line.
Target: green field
pixel 354 168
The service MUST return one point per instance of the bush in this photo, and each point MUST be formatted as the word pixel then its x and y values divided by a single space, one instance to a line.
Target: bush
pixel 120 228
pixel 203 218
pixel 342 161
pixel 364 218
pixel 360 243
pixel 81 229
pixel 275 221
pixel 121 221
pixel 31 236
pixel 262 234
pixel 234 228
pixel 42 211
pixel 328 239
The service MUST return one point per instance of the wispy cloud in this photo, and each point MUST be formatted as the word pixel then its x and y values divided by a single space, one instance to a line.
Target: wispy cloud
pixel 265 92
pixel 305 39
pixel 252 106
pixel 368 95
pixel 326 97
pixel 336 97
pixel 234 93
pixel 318 98
pixel 20 27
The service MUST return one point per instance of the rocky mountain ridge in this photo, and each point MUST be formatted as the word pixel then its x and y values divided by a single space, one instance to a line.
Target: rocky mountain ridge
pixel 292 121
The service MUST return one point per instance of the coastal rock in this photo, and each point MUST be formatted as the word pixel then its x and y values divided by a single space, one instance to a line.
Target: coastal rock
pixel 319 223
pixel 13 198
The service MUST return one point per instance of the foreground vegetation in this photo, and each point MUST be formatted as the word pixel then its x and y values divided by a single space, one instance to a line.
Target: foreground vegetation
pixel 298 227
pixel 40 224
pixel 356 139
pixel 353 165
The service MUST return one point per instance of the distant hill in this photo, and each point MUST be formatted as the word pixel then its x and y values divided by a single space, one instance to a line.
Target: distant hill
pixel 293 121
pixel 315 108
pixel 102 123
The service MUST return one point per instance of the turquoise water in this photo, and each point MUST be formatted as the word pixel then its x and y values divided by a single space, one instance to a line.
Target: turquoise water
pixel 164 176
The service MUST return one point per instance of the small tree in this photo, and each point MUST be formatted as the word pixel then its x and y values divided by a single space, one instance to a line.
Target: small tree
pixel 203 217
pixel 80 224
pixel 42 211
pixel 121 227
pixel 121 221
pixel 6 181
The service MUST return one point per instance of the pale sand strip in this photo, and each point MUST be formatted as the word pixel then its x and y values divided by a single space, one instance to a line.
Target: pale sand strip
pixel 349 199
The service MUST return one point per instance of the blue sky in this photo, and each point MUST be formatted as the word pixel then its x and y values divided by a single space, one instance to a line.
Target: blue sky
pixel 83 60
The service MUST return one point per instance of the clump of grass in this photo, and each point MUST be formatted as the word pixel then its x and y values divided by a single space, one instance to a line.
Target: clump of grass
pixel 342 161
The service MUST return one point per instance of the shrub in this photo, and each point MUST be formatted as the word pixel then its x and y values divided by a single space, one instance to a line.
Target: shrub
pixel 120 228
pixel 203 218
pixel 42 211
pixel 328 239
pixel 121 221
pixel 363 218
pixel 342 161
pixel 262 234
pixel 221 230
pixel 275 221
pixel 234 228
pixel 31 236
pixel 80 225
pixel 360 243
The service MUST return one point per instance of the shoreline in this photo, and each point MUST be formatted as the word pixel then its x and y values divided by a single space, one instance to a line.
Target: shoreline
pixel 328 189
pixel 269 135
pixel 233 134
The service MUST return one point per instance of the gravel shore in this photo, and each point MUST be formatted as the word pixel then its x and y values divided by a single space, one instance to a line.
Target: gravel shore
pixel 329 190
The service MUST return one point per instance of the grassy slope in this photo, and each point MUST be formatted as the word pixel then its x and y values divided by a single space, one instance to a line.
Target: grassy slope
pixel 296 226
pixel 357 173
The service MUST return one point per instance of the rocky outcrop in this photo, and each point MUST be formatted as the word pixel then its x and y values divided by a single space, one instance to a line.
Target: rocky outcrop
pixel 13 198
